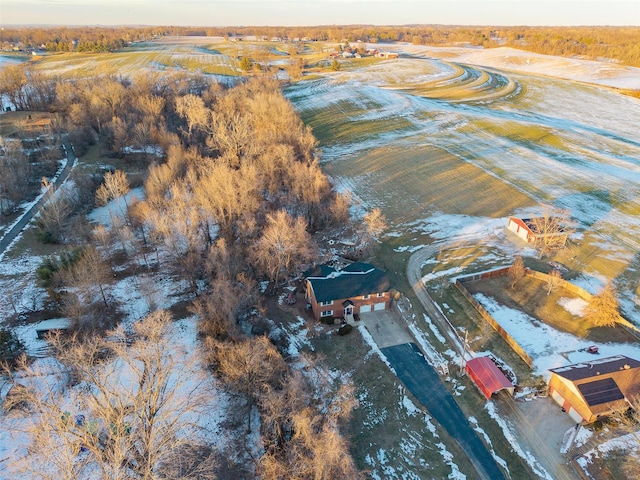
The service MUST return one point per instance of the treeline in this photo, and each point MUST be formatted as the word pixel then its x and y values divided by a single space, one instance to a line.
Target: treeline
pixel 618 44
pixel 80 39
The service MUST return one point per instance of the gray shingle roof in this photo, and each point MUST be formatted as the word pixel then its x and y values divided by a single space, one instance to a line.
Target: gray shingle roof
pixel 354 280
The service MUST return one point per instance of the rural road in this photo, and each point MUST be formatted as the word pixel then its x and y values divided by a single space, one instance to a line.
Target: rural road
pixel 552 461
pixel 12 233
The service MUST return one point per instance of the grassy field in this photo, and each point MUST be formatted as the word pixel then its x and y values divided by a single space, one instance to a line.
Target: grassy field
pixel 427 179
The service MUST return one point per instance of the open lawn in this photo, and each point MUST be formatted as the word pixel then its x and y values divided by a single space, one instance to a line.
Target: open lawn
pixel 427 179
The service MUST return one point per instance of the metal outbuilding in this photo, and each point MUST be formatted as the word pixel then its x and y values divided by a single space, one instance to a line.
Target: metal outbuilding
pixel 487 376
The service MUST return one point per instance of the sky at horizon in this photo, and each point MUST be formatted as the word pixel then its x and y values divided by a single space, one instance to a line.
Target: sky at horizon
pixel 319 12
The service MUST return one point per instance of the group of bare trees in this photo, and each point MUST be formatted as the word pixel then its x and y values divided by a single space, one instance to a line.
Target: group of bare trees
pixel 235 200
pixel 123 407
pixel 300 420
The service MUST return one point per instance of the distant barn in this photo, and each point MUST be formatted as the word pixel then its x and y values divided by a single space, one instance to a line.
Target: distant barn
pixel 527 229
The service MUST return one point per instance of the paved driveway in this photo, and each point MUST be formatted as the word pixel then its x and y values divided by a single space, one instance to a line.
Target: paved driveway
pixel 424 383
pixel 386 328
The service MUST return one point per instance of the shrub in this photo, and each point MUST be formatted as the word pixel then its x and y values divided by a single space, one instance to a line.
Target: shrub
pixel 345 329
pixel 329 320
pixel 10 346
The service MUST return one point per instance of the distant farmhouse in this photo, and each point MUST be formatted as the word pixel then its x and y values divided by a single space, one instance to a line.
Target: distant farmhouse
pixel 357 288
pixel 597 388
pixel 528 229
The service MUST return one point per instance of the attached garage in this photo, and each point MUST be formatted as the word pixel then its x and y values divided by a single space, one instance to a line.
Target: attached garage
pixel 379 306
pixel 487 376
pixel 365 308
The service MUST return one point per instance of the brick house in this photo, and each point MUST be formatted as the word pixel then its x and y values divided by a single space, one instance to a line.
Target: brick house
pixel 357 288
pixel 589 390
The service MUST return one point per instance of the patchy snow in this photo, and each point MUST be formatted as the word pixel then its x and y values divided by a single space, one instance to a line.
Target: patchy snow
pixel 433 356
pixel 512 59
pixel 297 334
pixel 449 227
pixel 375 350
pixel 548 347
pixel 627 444
pixel 575 437
pixel 116 208
pixel 575 306
pixel 499 460
pixel 507 430
pixel 591 283
pixel 434 329
pixel 155 150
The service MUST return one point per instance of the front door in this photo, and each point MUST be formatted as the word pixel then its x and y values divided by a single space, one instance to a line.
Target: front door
pixel 348 310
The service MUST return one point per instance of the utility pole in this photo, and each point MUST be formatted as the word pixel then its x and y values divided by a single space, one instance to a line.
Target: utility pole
pixel 464 352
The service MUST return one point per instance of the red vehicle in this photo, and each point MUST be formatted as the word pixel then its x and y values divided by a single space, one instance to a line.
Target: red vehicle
pixel 592 349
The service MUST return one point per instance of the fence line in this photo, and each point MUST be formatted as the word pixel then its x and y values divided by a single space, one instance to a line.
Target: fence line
pixel 494 324
pixel 575 289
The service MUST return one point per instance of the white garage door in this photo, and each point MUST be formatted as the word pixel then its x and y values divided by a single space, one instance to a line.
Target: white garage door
pixel 557 397
pixel 365 308
pixel 575 415
pixel 379 306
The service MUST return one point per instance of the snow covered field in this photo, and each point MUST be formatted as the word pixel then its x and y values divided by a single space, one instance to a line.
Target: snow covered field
pixel 412 137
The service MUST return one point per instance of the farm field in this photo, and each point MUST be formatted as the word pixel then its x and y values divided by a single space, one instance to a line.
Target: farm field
pixel 448 150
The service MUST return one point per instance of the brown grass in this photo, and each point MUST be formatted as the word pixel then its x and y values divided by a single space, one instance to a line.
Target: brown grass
pixel 530 296
pixel 427 178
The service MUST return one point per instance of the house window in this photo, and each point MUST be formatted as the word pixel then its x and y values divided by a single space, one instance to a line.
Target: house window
pixel 324 304
pixel 365 297
pixel 380 295
pixel 326 313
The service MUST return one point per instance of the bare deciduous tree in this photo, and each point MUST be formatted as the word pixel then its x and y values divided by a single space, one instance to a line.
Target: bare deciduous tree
pixel 284 244
pixel 373 225
pixel 129 415
pixel 553 280
pixel 552 229
pixel 114 186
pixel 603 309
pixel 247 367
pixel 54 215
pixel 303 441
pixel 516 271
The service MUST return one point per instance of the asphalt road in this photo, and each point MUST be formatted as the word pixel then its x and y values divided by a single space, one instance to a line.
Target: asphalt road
pixel 424 383
pixel 28 215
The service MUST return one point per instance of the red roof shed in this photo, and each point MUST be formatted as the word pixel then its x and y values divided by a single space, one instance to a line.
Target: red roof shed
pixel 487 376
